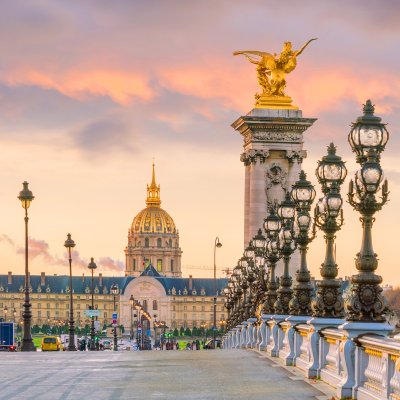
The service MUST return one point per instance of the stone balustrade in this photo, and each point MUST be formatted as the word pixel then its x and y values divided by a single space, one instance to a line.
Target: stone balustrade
pixel 363 367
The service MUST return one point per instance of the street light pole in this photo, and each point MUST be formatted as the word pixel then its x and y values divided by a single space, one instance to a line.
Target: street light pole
pixel 25 196
pixel 131 302
pixel 70 244
pixel 217 244
pixel 92 266
pixel 115 292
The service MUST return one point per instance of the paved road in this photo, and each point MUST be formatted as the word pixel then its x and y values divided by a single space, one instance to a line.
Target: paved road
pixel 146 375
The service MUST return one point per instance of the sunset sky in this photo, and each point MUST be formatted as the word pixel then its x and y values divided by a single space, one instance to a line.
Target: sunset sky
pixel 92 90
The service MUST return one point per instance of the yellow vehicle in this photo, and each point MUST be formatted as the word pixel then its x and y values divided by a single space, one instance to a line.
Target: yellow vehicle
pixel 51 343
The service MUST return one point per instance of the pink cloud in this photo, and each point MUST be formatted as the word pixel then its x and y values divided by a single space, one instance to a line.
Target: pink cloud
pixel 122 87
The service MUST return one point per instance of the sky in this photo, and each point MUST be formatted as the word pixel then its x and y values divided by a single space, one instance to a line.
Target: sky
pixel 92 91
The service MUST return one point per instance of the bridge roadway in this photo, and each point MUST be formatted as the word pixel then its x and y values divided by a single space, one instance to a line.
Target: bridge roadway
pixel 203 375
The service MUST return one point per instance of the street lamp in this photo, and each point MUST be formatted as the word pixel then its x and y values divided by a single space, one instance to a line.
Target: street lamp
pixel 286 244
pixel 70 244
pixel 14 314
pixel 26 196
pixel 328 302
pixel 217 244
pixel 368 137
pixel 115 292
pixel 303 194
pixel 272 225
pixel 131 302
pixel 5 310
pixel 92 266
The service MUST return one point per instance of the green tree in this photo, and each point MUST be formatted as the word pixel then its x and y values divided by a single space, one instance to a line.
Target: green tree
pixel 175 333
pixel 188 332
pixel 195 331
pixel 181 331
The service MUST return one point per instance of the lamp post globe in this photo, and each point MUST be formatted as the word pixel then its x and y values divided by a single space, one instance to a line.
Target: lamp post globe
pixel 368 133
pixel 115 292
pixel 286 208
pixel 331 169
pixel 69 244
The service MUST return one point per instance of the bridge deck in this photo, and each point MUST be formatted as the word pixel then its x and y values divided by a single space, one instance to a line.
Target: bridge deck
pixel 149 375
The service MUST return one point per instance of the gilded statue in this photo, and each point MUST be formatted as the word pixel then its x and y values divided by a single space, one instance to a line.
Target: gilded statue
pixel 272 69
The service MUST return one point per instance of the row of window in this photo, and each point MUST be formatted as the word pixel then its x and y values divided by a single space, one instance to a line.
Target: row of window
pixel 203 308
pixel 195 317
pixel 159 265
pixel 57 305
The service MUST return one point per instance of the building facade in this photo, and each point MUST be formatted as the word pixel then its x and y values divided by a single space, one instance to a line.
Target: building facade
pixel 153 277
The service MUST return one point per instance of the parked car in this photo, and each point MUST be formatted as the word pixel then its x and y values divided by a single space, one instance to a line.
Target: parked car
pixel 51 343
pixel 107 345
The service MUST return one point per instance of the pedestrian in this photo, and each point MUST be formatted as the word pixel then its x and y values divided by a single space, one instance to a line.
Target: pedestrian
pixel 177 345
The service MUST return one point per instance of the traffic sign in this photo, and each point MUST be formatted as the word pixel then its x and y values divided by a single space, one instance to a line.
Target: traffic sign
pixel 92 313
pixel 114 316
pixel 114 321
pixel 139 330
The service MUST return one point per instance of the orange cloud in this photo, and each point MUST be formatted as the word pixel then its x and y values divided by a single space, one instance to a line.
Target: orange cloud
pixel 119 86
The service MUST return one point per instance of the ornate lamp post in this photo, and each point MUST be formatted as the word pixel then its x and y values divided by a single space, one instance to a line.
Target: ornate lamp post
pixel 217 245
pixel 132 303
pixel 26 197
pixel 243 282
pixel 331 173
pixel 249 253
pixel 92 266
pixel 115 292
pixel 259 242
pixel 286 243
pixel 367 138
pixel 272 225
pixel 303 194
pixel 70 244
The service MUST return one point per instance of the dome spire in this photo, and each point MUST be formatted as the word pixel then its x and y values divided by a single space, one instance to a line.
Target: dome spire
pixel 153 192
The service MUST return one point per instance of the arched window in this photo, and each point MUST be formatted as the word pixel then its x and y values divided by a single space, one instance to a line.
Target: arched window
pixel 144 305
pixel 172 265
pixel 170 242
pixel 146 242
pixel 155 305
pixel 159 242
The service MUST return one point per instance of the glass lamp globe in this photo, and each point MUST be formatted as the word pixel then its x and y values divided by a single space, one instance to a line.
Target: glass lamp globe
pixel 371 174
pixel 286 208
pixel 331 169
pixel 249 252
pixel 259 240
pixel 303 193
pixel 368 133
pixel 333 202
pixel 272 223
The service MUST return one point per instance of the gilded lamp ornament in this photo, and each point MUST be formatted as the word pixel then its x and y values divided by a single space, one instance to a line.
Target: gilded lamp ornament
pixel 368 137
pixel 271 74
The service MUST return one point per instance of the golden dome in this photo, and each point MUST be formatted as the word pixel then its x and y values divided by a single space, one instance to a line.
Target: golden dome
pixel 153 219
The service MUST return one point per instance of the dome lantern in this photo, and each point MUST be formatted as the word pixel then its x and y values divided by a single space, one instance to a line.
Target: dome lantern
pixel 153 192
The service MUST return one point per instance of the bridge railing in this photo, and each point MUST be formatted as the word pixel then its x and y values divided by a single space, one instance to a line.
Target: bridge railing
pixel 365 367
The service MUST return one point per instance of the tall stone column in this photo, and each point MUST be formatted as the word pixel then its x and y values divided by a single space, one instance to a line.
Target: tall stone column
pixel 273 152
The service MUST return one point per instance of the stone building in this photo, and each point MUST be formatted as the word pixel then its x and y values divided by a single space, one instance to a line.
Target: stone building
pixel 152 276
pixel 153 238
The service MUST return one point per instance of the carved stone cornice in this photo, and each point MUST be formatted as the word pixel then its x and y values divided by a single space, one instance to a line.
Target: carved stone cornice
pixel 251 156
pixel 298 155
pixel 272 129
